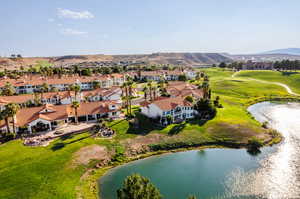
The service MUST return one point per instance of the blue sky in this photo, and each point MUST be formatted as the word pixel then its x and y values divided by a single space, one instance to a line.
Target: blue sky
pixel 64 27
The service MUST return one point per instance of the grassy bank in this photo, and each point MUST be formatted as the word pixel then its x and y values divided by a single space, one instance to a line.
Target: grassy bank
pixel 50 172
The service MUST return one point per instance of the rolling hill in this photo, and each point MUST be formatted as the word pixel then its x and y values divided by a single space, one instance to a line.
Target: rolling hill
pixel 191 59
pixel 289 51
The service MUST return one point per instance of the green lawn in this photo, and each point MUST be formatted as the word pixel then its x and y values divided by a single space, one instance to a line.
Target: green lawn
pixel 41 172
pixel 47 172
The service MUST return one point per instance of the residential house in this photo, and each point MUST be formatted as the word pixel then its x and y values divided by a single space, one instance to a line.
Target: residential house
pixel 184 89
pixel 48 117
pixel 31 84
pixel 102 94
pixel 177 107
pixel 169 75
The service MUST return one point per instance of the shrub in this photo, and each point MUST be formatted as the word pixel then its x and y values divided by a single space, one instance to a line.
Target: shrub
pixel 265 125
pixel 255 143
pixel 119 155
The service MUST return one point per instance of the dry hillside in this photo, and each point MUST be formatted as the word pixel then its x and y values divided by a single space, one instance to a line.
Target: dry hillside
pixel 155 58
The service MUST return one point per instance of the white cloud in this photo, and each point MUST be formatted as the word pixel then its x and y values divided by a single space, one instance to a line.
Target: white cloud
pixel 50 20
pixel 69 31
pixel 65 13
pixel 59 24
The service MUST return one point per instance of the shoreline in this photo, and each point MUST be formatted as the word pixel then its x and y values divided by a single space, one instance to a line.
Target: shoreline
pixel 95 174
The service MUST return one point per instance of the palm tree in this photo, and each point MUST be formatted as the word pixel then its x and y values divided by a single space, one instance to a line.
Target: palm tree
pixel 150 85
pixel 75 106
pixel 205 87
pixel 12 109
pixel 36 99
pixel 154 90
pixel 146 90
pixel 130 85
pixel 8 89
pixel 4 116
pixel 45 88
pixel 96 84
pixel 76 88
pixel 125 95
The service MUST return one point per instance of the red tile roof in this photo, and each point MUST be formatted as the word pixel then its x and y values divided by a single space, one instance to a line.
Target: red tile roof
pixel 171 103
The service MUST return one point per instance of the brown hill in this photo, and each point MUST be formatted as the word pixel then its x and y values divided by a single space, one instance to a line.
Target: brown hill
pixel 155 58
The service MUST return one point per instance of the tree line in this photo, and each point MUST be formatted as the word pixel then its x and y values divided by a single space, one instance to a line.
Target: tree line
pixel 283 65
pixel 48 69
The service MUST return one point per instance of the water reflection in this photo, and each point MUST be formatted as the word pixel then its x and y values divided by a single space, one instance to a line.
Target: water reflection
pixel 278 177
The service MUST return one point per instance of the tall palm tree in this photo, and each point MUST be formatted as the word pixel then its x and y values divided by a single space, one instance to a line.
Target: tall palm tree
pixel 205 87
pixel 154 90
pixel 75 106
pixel 76 88
pixel 45 88
pixel 12 109
pixel 125 95
pixel 4 116
pixel 36 99
pixel 130 85
pixel 8 89
pixel 96 84
pixel 150 86
pixel 146 90
pixel 162 87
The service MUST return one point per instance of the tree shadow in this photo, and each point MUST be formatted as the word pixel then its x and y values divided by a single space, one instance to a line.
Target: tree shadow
pixel 60 145
pixel 143 126
pixel 177 128
pixel 199 122
pixel 116 123
pixel 253 151
pixel 288 73
pixel 65 137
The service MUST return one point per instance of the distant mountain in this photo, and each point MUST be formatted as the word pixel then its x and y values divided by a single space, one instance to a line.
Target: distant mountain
pixel 289 51
pixel 190 59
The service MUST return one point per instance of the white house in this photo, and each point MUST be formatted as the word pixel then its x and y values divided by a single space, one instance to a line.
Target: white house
pixel 190 74
pixel 177 107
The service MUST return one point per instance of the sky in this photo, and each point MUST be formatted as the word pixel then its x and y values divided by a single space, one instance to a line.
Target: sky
pixel 71 27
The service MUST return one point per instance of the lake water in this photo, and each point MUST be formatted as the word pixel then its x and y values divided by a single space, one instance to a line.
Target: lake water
pixel 225 173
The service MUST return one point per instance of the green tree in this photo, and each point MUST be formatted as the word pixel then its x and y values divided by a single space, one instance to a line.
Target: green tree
pixel 86 72
pixel 44 89
pixel 76 89
pixel 5 117
pixel 75 105
pixel 138 187
pixel 127 95
pixel 182 78
pixel 222 65
pixel 8 89
pixel 12 109
pixel 96 84
pixel 189 99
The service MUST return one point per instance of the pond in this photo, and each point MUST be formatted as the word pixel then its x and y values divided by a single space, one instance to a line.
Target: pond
pixel 225 173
